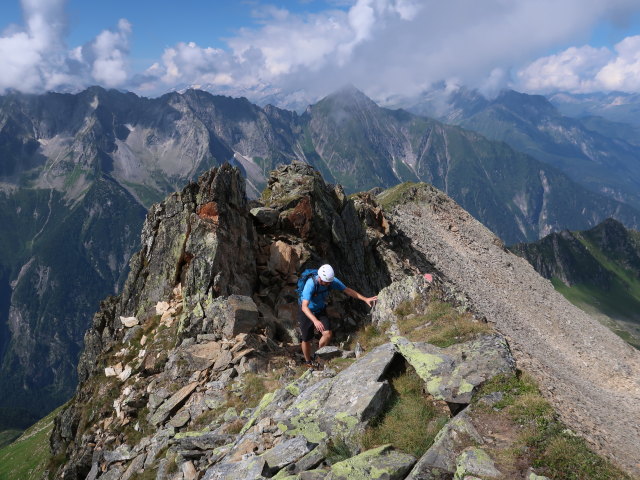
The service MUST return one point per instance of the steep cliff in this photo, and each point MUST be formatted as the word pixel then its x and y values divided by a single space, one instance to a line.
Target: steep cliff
pixel 193 371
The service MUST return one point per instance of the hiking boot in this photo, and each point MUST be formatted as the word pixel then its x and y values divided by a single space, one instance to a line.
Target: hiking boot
pixel 312 364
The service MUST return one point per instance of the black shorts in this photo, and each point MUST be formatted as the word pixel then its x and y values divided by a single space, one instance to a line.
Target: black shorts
pixel 306 325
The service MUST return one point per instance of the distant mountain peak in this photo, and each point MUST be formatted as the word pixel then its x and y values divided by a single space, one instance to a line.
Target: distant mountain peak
pixel 349 95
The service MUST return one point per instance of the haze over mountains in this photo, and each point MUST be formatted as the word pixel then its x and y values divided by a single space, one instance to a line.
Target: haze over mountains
pixel 78 171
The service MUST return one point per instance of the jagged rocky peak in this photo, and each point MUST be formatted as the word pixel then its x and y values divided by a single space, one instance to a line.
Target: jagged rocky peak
pixel 193 372
pixel 210 269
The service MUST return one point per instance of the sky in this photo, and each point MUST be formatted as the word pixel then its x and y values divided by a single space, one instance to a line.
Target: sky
pixel 386 48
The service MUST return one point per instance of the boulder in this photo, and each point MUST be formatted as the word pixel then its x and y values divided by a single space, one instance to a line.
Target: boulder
pixel 200 440
pixel 113 474
pixel 283 258
pixel 442 455
pixel 382 463
pixel 135 467
pixel 232 315
pixel 203 355
pixel 180 419
pixel 129 321
pixel 250 468
pixel 474 461
pixel 265 216
pixel 343 405
pixel 453 374
pixel 286 452
pixel 412 289
pixel 165 410
pixel 122 453
pixel 329 352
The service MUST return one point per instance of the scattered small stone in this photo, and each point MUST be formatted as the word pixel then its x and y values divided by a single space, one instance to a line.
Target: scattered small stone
pixel 189 471
pixel 125 374
pixel 162 307
pixel 180 419
pixel 129 321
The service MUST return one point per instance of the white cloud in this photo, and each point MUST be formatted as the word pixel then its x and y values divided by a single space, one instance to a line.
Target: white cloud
pixel 404 46
pixel 384 47
pixel 586 69
pixel 572 70
pixel 623 72
pixel 109 52
pixel 35 58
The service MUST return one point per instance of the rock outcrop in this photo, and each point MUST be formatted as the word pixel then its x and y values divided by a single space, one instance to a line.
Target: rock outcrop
pixel 209 306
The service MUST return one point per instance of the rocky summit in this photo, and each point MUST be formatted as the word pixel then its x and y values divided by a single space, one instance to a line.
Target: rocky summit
pixel 194 371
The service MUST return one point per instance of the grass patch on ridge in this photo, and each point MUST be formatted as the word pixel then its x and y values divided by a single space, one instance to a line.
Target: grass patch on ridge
pixel 440 324
pixel 408 408
pixel 540 438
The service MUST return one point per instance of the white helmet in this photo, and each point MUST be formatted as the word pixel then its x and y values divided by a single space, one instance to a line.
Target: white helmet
pixel 325 272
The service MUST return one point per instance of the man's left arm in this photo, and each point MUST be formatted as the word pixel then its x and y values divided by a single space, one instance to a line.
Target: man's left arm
pixel 368 300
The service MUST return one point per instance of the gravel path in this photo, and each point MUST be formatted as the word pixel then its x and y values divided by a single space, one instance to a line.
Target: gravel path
pixel 590 375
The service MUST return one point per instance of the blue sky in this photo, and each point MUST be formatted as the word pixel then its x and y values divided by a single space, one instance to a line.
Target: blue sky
pixel 385 47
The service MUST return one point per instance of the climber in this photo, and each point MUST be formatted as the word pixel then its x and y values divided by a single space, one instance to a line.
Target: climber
pixel 314 288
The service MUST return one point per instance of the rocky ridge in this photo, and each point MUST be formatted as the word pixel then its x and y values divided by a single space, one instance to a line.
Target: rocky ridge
pixel 585 370
pixel 210 302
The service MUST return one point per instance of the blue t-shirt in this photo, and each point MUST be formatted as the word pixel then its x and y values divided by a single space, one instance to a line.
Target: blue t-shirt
pixel 317 294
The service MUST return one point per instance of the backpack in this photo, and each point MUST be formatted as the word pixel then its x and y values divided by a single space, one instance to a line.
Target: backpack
pixel 302 280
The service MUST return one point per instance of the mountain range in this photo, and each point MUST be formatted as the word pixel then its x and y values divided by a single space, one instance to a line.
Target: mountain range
pixel 77 173
pixel 599 154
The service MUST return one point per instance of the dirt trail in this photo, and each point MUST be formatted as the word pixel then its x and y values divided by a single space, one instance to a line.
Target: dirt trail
pixel 590 375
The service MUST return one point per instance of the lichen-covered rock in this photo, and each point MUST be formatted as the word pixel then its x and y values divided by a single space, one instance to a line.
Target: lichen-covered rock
pixel 343 405
pixel 412 289
pixel 454 373
pixel 440 458
pixel 250 468
pixel 382 463
pixel 286 452
pixel 474 461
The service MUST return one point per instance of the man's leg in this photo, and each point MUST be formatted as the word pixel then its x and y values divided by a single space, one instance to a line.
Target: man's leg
pixel 306 350
pixel 306 331
pixel 328 333
pixel 326 338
